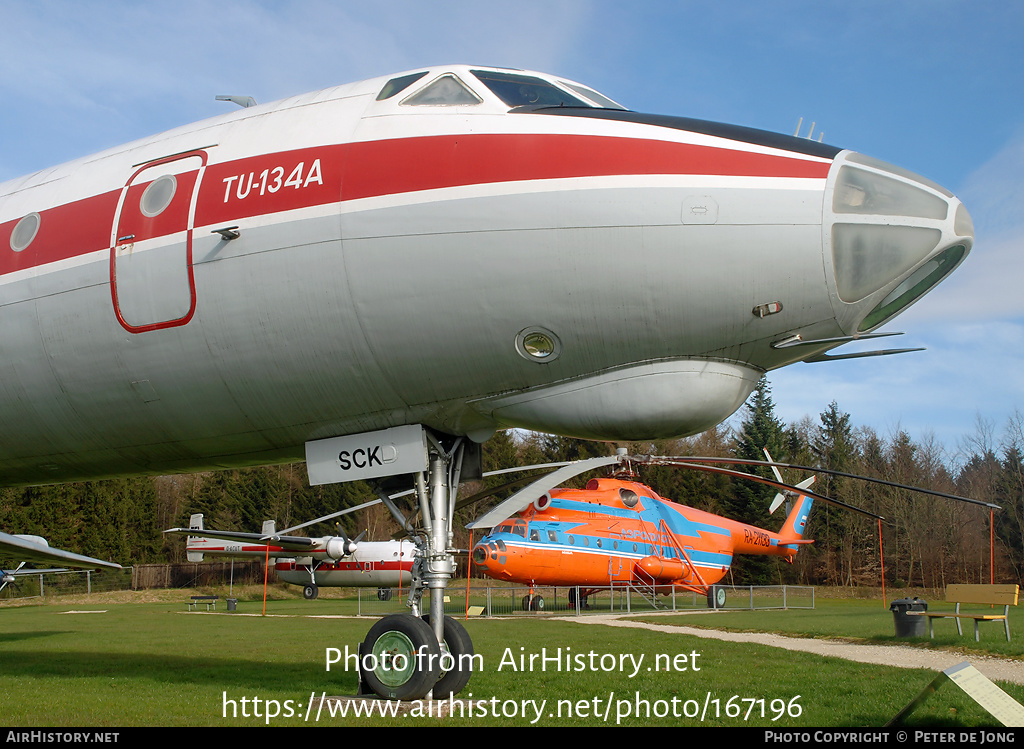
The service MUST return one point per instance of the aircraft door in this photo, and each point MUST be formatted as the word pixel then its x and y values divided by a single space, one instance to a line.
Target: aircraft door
pixel 616 568
pixel 151 279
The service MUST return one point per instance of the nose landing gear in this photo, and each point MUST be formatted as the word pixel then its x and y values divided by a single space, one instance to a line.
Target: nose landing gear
pixel 407 656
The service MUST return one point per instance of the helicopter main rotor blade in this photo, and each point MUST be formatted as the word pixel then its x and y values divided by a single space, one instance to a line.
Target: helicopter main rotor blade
pixel 652 460
pixel 689 463
pixel 522 499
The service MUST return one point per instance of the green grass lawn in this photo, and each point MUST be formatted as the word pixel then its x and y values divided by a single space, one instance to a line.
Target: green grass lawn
pixel 866 621
pixel 150 663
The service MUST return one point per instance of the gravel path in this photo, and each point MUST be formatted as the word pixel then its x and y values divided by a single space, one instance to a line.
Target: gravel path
pixel 997 669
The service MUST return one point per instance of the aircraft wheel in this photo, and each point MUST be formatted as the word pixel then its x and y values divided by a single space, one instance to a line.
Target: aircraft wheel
pixel 383 594
pixel 458 644
pixel 526 603
pixel 309 592
pixel 537 604
pixel 405 656
pixel 716 597
pixel 577 598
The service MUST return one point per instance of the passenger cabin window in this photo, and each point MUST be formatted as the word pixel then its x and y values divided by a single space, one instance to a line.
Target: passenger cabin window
pixel 25 231
pixel 158 195
pixel 398 85
pixel 520 90
pixel 446 91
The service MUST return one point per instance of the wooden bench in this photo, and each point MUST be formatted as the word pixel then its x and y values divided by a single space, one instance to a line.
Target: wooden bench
pixel 985 595
pixel 210 601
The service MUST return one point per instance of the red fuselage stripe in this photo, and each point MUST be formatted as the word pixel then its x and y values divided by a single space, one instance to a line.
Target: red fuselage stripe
pixel 284 181
pixel 351 566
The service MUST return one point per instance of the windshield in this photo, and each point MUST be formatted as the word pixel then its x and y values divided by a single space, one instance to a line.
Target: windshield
pixel 519 90
pixel 599 99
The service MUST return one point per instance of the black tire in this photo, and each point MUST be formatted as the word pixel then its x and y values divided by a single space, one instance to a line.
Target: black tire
pixel 309 592
pixel 526 603
pixel 716 597
pixel 405 656
pixel 458 644
pixel 383 594
pixel 537 604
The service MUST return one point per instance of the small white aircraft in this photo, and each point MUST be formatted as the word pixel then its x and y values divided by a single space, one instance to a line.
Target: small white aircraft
pixel 327 561
pixel 29 548
pixel 378 276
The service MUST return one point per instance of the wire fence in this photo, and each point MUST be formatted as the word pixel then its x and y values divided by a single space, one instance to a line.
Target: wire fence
pixel 460 599
pixel 28 584
pixel 620 599
pixel 69 582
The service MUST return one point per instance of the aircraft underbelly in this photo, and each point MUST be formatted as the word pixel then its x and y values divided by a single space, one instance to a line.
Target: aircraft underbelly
pixel 328 578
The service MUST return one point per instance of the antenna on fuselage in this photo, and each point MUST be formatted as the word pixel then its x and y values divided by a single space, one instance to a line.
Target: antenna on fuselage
pixel 242 101
pixel 810 133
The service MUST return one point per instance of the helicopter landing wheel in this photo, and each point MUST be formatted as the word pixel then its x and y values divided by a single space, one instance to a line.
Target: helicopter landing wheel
pixel 716 597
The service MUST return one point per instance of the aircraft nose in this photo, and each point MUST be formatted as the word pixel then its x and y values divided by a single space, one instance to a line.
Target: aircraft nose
pixel 490 555
pixel 893 235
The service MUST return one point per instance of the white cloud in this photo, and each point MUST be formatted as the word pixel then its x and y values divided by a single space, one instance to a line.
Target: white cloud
pixel 79 77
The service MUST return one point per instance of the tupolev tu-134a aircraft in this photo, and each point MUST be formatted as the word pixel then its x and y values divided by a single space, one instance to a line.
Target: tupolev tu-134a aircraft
pixel 418 260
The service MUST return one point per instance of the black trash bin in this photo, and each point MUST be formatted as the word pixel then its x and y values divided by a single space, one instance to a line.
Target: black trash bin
pixel 232 604
pixel 909 625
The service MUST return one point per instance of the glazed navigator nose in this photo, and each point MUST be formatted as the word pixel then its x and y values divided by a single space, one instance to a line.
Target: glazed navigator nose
pixel 892 236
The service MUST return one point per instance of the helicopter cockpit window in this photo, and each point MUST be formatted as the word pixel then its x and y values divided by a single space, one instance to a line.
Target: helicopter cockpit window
pixel 520 90
pixel 446 91
pixel 519 528
pixel 398 85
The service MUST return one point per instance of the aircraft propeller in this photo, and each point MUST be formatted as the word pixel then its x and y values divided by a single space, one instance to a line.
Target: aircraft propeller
pixel 6 579
pixel 10 578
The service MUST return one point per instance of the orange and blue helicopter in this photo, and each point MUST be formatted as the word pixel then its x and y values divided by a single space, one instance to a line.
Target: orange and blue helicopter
pixel 620 531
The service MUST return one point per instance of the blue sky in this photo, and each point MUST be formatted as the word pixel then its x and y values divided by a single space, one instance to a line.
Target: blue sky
pixel 935 86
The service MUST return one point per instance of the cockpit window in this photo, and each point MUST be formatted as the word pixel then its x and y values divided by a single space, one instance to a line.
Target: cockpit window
pixel 519 90
pixel 446 91
pixel 600 99
pixel 397 85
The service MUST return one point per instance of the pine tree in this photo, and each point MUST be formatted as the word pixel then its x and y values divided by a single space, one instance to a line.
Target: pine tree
pixel 761 429
pixel 835 449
